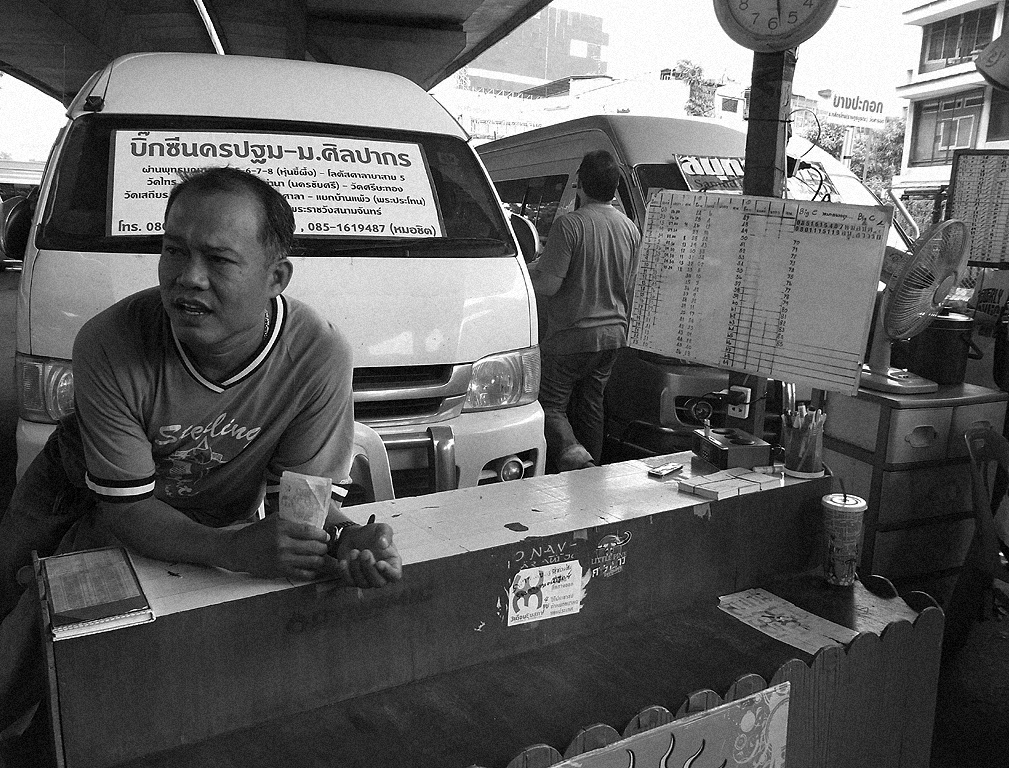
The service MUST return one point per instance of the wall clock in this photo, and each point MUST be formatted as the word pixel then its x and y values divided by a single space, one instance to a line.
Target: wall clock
pixel 772 25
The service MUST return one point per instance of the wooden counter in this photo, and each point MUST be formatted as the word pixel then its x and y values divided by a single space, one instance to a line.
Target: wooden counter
pixel 441 671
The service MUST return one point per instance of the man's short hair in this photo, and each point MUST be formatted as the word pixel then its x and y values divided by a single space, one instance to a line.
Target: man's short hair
pixel 277 226
pixel 599 174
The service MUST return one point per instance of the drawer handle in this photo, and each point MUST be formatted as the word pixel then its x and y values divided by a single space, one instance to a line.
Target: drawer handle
pixel 922 437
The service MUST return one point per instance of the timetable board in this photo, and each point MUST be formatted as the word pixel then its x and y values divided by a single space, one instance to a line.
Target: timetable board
pixel 778 288
pixel 978 195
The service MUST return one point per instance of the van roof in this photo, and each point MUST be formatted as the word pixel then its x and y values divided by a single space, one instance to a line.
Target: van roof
pixel 643 137
pixel 200 84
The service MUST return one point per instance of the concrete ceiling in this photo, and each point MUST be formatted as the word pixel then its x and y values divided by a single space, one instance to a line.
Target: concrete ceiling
pixel 55 45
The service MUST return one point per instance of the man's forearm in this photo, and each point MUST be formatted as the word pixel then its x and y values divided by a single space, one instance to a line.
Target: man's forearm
pixel 155 529
pixel 546 284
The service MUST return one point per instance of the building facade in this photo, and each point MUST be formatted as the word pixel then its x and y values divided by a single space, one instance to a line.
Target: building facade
pixel 17 177
pixel 553 44
pixel 950 105
pixel 553 68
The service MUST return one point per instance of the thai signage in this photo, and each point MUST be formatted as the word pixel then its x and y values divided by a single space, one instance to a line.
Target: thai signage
pixel 809 181
pixel 711 174
pixel 337 187
pixel 851 109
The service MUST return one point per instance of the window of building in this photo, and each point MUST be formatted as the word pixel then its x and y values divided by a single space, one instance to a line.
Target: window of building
pixel 579 48
pixel 998 118
pixel 730 105
pixel 943 125
pixel 956 39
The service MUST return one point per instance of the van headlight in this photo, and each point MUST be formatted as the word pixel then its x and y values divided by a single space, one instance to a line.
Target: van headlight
pixel 504 380
pixel 45 388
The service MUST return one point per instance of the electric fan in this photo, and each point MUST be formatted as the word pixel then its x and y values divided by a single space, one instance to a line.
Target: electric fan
pixel 913 297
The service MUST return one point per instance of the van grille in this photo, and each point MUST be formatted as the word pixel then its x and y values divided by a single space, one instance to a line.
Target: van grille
pixel 398 376
pixel 371 412
pixel 388 396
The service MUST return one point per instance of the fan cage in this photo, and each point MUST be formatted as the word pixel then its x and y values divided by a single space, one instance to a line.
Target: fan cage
pixel 915 294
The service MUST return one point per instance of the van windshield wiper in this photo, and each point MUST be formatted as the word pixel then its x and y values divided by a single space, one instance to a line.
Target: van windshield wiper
pixel 417 243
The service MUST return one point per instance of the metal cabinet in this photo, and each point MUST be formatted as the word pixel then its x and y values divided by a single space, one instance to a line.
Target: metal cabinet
pixel 906 456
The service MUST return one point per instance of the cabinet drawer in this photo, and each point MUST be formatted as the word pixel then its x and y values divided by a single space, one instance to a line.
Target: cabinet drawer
pixel 924 493
pixel 921 550
pixel 918 434
pixel 976 415
pixel 851 420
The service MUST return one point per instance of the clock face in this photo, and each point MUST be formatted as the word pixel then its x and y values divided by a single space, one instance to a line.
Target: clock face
pixel 772 25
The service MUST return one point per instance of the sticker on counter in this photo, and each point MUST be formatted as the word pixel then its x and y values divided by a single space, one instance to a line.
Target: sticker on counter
pixel 545 592
pixel 610 555
pixel 542 552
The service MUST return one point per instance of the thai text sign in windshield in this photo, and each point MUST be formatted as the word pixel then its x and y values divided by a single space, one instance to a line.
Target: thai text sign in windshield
pixel 337 187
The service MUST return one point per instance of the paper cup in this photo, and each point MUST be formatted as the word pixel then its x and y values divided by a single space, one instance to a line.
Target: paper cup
pixel 842 522
pixel 304 498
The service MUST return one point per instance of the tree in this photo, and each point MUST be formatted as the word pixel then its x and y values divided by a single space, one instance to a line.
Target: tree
pixel 828 136
pixel 702 89
pixel 891 148
pixel 876 154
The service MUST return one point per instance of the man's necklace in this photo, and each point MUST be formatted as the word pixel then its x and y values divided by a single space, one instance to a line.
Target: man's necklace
pixel 266 323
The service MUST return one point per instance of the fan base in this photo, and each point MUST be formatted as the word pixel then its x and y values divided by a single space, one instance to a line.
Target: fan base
pixel 896 380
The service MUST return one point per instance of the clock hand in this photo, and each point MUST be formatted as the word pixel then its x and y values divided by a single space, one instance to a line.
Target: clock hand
pixel 778 4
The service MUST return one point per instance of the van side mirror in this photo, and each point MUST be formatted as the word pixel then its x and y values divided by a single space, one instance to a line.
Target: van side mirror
pixel 528 237
pixel 15 223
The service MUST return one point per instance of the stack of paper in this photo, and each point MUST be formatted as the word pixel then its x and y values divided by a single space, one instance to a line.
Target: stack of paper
pixel 734 481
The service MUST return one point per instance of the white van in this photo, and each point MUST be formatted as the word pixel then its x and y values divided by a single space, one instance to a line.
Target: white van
pixel 401 242
pixel 653 403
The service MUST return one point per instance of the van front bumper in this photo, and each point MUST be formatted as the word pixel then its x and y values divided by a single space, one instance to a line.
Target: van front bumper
pixel 465 451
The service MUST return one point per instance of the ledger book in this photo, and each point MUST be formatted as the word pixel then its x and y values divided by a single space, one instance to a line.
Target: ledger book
pixel 93 591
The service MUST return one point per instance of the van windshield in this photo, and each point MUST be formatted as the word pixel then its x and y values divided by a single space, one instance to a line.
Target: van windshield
pixel 390 193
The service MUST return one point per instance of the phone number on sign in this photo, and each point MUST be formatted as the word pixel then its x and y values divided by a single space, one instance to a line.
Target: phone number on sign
pixel 323 226
pixel 128 227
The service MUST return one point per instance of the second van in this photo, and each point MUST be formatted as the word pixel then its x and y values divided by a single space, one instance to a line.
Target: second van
pixel 653 403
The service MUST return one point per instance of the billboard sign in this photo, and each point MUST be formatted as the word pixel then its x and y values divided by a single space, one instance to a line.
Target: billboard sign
pixel 851 109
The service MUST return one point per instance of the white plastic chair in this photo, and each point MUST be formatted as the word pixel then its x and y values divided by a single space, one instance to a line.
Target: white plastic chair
pixel 370 466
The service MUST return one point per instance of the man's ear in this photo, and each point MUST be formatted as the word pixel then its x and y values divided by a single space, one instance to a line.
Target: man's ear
pixel 280 275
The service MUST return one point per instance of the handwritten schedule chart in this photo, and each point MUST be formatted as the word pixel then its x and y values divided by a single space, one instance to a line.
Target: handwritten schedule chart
pixel 779 288
pixel 978 195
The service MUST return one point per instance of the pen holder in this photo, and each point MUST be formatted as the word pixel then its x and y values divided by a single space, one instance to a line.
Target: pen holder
pixel 803 449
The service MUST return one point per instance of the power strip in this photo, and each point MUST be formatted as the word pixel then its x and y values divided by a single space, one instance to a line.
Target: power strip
pixel 741 410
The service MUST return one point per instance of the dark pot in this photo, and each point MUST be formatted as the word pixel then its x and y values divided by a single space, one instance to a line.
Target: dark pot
pixel 940 352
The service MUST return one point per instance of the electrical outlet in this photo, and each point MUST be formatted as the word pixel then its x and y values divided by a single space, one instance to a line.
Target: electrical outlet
pixel 742 410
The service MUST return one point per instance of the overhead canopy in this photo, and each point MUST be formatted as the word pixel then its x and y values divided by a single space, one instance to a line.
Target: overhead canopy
pixel 55 45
